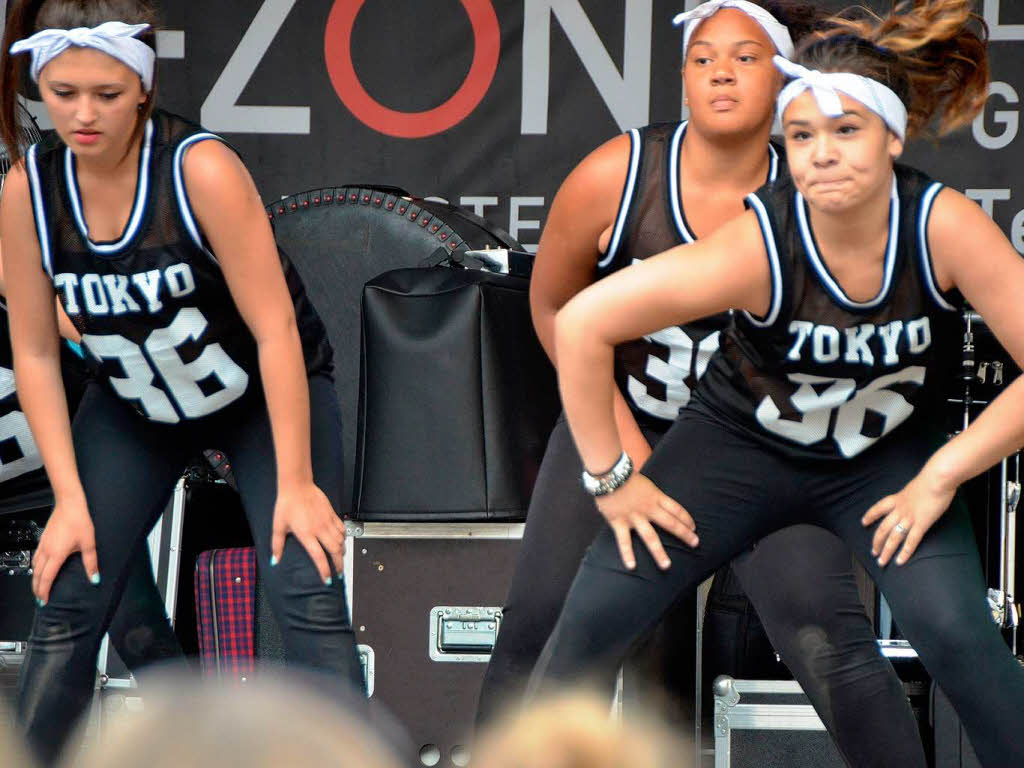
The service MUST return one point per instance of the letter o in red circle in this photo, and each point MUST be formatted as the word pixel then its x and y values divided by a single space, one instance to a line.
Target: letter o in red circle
pixel 411 125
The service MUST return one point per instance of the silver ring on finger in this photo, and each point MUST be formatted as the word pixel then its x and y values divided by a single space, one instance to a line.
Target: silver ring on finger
pixel 900 528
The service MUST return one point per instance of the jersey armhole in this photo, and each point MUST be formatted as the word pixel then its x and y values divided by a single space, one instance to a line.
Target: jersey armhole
pixel 754 203
pixel 181 193
pixel 35 189
pixel 924 252
pixel 628 190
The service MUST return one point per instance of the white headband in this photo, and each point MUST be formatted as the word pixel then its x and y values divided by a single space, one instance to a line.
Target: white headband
pixel 114 38
pixel 772 27
pixel 825 86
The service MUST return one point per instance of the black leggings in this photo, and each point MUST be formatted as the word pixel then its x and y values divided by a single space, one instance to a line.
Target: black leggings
pixel 737 492
pixel 800 581
pixel 140 630
pixel 128 467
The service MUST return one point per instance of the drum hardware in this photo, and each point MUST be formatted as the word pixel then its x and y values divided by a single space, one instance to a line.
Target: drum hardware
pixel 1008 553
pixel 16 562
pixel 980 370
pixel 18 539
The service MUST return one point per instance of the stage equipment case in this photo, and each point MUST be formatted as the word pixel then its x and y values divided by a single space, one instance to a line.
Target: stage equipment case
pixel 426 600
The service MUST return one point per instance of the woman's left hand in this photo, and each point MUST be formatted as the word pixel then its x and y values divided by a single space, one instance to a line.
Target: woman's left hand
pixel 305 512
pixel 906 516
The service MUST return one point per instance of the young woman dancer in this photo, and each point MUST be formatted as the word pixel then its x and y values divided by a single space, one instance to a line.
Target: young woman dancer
pixel 152 234
pixel 681 181
pixel 139 629
pixel 822 398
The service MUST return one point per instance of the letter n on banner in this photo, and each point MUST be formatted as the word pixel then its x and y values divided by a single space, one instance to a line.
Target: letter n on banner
pixel 628 95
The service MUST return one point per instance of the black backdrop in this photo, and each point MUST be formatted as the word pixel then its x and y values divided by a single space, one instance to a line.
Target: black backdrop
pixel 428 103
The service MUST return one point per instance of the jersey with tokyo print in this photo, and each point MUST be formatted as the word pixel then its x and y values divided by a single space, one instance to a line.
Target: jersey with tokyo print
pixel 153 307
pixel 823 375
pixel 658 373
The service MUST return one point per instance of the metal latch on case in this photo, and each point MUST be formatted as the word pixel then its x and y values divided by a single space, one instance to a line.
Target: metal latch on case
pixel 463 633
pixel 460 636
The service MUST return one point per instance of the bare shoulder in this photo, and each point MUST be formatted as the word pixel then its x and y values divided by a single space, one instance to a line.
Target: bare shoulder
pixel 16 216
pixel 15 192
pixel 211 166
pixel 602 172
pixel 962 238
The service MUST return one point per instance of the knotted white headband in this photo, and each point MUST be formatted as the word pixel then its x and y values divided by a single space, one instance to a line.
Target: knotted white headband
pixel 825 87
pixel 772 26
pixel 114 38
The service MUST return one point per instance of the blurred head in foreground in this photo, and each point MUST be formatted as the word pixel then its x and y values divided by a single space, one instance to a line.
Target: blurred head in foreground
pixel 269 723
pixel 577 730
pixel 13 753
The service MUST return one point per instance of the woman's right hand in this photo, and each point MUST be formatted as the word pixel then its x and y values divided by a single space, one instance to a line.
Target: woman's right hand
pixel 68 530
pixel 635 506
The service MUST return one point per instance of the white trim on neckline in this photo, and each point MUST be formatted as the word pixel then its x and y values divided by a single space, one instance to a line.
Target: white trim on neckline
pixel 675 194
pixel 138 207
pixel 830 283
pixel 624 203
pixel 768 235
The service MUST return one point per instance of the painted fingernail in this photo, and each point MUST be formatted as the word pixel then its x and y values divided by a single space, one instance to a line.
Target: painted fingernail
pixel 40 602
pixel 328 581
pixel 631 565
pixel 666 563
pixel 95 578
pixel 273 560
pixel 881 563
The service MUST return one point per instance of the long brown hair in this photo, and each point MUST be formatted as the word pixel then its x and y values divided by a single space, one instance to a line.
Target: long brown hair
pixel 30 16
pixel 800 17
pixel 931 53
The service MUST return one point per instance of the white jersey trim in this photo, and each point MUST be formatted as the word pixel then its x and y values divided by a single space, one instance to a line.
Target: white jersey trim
pixel 673 184
pixel 827 280
pixel 673 181
pixel 39 208
pixel 627 198
pixel 182 194
pixel 768 235
pixel 773 164
pixel 924 212
pixel 138 207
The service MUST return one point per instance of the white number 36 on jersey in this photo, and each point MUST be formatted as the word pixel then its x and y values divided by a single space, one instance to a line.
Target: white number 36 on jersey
pixel 818 397
pixel 159 356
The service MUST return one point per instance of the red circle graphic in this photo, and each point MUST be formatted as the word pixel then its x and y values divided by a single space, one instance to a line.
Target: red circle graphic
pixel 411 125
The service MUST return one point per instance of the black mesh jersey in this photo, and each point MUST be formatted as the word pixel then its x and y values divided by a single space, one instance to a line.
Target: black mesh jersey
pixel 153 307
pixel 19 455
pixel 23 483
pixel 657 373
pixel 825 376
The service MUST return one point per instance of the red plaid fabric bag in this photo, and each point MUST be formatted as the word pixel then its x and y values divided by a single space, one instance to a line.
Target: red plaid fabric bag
pixel 225 585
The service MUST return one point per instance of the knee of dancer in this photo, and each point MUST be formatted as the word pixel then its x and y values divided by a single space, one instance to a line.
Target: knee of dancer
pixel 302 600
pixel 530 619
pixel 832 656
pixel 75 623
pixel 143 643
